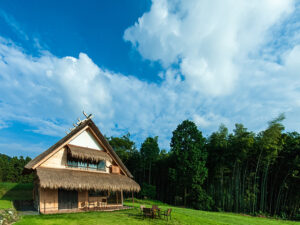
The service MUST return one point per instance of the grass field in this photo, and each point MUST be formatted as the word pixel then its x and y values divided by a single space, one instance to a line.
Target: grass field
pixel 9 192
pixel 133 216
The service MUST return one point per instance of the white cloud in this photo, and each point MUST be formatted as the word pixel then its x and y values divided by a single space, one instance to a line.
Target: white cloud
pixel 49 93
pixel 200 121
pixel 207 39
pixel 23 149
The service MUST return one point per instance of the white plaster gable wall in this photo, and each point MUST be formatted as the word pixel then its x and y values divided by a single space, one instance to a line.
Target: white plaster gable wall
pixel 86 139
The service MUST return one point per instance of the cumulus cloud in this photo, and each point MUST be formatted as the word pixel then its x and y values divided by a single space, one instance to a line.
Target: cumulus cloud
pixel 207 39
pixel 49 93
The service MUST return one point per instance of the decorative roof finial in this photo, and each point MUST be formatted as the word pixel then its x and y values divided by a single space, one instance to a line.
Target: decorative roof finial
pixel 87 117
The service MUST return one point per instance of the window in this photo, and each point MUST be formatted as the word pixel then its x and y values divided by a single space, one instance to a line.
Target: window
pixel 93 166
pixel 98 193
pixel 101 165
pixel 82 164
pixel 72 163
pixel 87 165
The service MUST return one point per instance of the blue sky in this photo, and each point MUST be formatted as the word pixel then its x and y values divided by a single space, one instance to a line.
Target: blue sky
pixel 144 66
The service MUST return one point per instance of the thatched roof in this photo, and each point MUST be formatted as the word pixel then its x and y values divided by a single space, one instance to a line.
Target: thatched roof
pixel 83 180
pixel 82 153
pixel 90 123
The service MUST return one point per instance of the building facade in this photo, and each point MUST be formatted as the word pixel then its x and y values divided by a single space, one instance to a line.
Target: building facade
pixel 80 172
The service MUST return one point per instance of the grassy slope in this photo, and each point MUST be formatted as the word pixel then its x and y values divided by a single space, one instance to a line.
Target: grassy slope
pixel 9 192
pixel 179 216
pixel 13 191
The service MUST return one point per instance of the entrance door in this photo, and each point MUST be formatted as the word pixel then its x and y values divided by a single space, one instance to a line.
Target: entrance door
pixel 67 199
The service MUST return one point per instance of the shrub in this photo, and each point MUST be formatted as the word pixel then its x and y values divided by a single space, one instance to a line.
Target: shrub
pixel 200 199
pixel 148 191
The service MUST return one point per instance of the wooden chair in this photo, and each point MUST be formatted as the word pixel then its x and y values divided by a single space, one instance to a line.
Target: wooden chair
pixel 141 208
pixel 91 203
pixel 154 207
pixel 98 205
pixel 84 206
pixel 155 211
pixel 104 202
pixel 147 212
pixel 167 213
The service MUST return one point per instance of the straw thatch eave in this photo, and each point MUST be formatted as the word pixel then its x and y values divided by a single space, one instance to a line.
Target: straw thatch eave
pixel 84 180
pixel 89 154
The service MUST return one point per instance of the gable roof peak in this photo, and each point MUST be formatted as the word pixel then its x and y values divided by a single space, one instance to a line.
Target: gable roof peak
pixel 88 122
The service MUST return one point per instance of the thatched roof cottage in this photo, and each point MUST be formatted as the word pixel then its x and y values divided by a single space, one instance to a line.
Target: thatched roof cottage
pixel 80 172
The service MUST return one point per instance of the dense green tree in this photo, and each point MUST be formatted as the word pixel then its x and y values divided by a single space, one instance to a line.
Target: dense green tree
pixel 188 152
pixel 241 143
pixel 163 180
pixel 217 165
pixel 284 197
pixel 270 143
pixel 149 152
pixel 128 153
pixel 123 146
pixel 11 169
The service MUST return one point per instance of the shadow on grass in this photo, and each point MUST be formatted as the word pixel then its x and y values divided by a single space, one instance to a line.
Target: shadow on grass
pixel 19 194
pixel 137 215
pixel 16 191
pixel 133 215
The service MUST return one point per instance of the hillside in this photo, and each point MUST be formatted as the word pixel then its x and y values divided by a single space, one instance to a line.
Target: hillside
pixel 10 191
pixel 3 155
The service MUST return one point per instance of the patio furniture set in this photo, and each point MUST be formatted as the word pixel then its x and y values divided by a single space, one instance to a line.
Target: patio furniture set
pixel 95 205
pixel 155 212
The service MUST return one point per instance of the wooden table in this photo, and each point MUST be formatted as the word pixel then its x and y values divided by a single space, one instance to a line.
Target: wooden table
pixel 149 212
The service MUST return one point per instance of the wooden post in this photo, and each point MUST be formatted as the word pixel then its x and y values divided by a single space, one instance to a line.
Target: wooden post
pixel 117 197
pixel 132 200
pixel 122 197
pixel 39 200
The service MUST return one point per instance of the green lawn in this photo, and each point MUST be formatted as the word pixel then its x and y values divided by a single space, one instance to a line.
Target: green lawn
pixel 9 192
pixel 179 216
